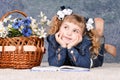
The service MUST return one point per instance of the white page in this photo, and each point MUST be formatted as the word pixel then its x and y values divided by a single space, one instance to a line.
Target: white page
pixel 62 68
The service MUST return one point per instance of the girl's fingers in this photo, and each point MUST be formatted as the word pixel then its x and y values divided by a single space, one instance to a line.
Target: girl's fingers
pixel 60 35
pixel 57 35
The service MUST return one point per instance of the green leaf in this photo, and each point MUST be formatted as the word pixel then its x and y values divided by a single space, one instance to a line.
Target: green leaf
pixel 14 33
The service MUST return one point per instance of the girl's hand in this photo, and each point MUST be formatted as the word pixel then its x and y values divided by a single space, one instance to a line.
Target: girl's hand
pixel 58 37
pixel 74 43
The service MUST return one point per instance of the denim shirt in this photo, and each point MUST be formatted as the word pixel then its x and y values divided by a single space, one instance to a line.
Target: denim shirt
pixel 76 56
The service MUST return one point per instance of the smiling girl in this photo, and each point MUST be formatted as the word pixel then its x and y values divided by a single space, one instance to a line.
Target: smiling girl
pixel 71 42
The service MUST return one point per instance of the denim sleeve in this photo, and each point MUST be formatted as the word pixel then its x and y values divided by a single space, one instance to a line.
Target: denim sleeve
pixel 78 59
pixel 56 56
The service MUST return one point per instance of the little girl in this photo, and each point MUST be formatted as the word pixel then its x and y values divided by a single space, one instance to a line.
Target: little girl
pixel 72 42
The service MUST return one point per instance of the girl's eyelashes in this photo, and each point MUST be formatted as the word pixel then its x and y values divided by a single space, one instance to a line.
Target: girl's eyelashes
pixel 76 31
pixel 66 27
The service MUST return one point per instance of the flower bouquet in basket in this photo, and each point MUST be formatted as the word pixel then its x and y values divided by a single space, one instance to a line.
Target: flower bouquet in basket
pixel 21 40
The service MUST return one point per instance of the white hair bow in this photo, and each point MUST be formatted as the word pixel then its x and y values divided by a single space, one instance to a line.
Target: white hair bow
pixel 89 25
pixel 62 13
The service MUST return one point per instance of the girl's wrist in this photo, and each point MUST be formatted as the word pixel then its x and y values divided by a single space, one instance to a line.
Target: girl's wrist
pixel 64 46
pixel 69 47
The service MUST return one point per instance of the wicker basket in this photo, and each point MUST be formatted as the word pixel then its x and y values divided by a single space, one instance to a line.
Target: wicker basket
pixel 20 52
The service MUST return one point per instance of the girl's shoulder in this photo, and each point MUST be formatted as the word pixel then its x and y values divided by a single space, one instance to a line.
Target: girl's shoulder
pixel 50 38
pixel 85 42
pixel 86 39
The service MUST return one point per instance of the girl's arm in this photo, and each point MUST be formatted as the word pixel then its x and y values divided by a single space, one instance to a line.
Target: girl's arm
pixel 80 54
pixel 56 57
pixel 78 58
pixel 56 53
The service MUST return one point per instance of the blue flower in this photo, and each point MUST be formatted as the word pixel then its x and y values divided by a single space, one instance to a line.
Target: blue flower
pixel 17 24
pixel 26 21
pixel 28 26
pixel 27 31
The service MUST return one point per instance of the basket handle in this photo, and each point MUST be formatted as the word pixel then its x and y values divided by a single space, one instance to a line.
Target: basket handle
pixel 10 12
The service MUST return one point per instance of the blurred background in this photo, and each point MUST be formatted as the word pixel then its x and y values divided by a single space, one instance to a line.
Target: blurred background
pixel 109 10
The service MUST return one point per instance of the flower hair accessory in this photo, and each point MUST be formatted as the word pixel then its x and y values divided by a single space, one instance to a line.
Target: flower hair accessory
pixel 89 24
pixel 63 12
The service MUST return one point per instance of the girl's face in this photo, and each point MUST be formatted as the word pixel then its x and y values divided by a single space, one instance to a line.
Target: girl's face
pixel 70 32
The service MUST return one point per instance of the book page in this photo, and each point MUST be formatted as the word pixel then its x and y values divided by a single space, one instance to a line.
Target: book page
pixel 43 69
pixel 73 68
pixel 62 68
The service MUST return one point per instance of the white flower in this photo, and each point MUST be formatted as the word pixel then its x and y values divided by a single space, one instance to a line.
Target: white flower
pixel 1 25
pixel 41 14
pixel 41 32
pixel 3 31
pixel 2 28
pixel 9 28
pixel 43 19
pixel 7 18
pixel 4 34
pixel 48 22
pixel 89 25
pixel 62 13
pixel 33 20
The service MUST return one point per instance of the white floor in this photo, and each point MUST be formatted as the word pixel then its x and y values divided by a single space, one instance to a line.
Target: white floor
pixel 109 71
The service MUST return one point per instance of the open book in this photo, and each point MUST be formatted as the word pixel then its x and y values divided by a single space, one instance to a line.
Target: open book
pixel 62 68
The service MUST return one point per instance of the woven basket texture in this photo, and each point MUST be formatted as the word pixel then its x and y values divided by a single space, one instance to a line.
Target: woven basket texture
pixel 19 58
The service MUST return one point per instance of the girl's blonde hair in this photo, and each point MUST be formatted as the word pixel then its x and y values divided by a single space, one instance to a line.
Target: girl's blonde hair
pixel 80 21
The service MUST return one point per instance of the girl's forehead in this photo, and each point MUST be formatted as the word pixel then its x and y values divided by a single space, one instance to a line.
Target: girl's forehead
pixel 70 24
pixel 81 25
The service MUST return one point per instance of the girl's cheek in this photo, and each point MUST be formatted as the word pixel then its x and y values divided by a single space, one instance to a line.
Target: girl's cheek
pixel 61 31
pixel 79 35
pixel 80 38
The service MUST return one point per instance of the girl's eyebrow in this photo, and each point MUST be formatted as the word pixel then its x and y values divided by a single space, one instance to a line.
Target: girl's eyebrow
pixel 77 28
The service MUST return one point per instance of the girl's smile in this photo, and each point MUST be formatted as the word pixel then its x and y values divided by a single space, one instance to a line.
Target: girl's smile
pixel 66 39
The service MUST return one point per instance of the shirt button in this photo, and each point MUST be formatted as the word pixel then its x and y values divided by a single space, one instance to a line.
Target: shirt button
pixel 71 51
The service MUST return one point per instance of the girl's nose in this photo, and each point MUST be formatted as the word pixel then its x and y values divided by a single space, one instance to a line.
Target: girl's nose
pixel 69 32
